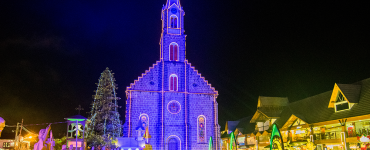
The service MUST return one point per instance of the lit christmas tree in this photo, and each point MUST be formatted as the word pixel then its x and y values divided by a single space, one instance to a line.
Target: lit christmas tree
pixel 104 121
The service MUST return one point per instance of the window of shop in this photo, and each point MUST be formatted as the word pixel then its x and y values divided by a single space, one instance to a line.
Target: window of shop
pixel 262 126
pixel 362 127
pixel 332 132
pixel 299 135
pixel 251 140
pixel 241 140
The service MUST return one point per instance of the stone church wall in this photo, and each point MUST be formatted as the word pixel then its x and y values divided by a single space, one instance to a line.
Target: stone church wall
pixel 148 103
pixel 201 104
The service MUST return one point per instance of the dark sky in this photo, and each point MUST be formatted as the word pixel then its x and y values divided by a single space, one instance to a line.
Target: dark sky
pixel 52 52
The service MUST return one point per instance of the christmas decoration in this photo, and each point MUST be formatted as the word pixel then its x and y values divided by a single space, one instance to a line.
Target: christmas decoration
pixel 276 141
pixel 104 119
pixel 2 125
pixel 232 139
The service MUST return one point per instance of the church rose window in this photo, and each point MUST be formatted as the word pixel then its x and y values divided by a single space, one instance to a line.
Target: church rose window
pixel 173 83
pixel 201 129
pixel 174 107
pixel 174 51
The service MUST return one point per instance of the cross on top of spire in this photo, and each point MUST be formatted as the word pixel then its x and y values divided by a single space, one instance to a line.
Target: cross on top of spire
pixel 79 108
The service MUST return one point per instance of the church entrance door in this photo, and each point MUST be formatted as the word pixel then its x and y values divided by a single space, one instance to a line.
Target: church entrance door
pixel 173 144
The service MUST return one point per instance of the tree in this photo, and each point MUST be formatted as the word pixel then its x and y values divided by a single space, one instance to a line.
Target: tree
pixel 59 143
pixel 104 123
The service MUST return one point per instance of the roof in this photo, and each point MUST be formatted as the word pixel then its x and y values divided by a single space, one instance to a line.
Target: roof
pixel 351 91
pixel 315 109
pixel 264 101
pixel 271 112
pixel 225 135
pixel 245 126
pixel 76 117
pixel 171 2
pixel 231 125
pixel 269 107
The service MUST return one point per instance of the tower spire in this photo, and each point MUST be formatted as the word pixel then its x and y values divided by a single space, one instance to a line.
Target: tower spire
pixel 170 2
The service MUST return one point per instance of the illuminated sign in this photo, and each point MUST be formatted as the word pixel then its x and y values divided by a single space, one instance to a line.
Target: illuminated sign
pixel 300 131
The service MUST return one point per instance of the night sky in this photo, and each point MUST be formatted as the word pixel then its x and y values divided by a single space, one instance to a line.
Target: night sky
pixel 52 53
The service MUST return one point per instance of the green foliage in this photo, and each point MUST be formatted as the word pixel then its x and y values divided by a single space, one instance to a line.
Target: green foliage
pixel 95 140
pixel 59 143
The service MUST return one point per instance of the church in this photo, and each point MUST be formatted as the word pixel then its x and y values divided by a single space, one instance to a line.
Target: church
pixel 171 106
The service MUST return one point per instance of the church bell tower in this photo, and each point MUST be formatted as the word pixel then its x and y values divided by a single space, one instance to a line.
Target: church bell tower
pixel 173 38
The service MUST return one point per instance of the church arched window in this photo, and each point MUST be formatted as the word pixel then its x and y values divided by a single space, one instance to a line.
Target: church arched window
pixel 174 51
pixel 173 82
pixel 201 129
pixel 173 21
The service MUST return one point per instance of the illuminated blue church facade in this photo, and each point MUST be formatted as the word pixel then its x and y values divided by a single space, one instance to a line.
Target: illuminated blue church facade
pixel 171 106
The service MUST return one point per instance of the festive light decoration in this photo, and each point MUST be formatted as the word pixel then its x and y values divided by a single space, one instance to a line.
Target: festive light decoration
pixel 276 140
pixel 210 144
pixel 104 116
pixel 232 139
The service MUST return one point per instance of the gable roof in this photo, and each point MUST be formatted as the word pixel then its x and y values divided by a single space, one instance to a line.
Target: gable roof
pixel 292 119
pixel 269 107
pixel 258 117
pixel 315 109
pixel 351 92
